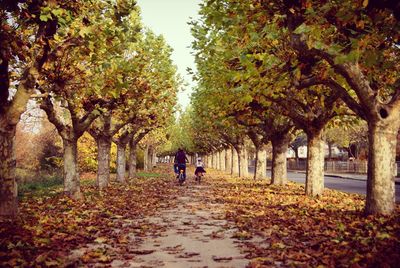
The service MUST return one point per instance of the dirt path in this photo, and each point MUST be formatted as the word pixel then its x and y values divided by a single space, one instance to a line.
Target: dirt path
pixel 193 234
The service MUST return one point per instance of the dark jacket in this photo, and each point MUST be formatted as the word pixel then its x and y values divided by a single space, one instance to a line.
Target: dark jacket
pixel 180 157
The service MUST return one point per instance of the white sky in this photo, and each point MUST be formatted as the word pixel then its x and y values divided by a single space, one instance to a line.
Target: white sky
pixel 169 18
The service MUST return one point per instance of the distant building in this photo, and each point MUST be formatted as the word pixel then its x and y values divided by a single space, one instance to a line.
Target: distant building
pixel 336 152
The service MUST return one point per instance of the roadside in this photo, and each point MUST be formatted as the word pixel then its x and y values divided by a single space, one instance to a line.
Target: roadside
pixel 347 176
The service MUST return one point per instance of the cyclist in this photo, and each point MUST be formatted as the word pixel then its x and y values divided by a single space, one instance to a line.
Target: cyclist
pixel 180 162
pixel 199 169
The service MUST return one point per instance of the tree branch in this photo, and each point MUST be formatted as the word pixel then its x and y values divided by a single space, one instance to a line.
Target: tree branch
pixel 344 95
pixel 83 125
pixel 353 76
pixel 48 107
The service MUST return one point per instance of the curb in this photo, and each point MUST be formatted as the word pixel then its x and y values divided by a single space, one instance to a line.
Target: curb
pixel 340 176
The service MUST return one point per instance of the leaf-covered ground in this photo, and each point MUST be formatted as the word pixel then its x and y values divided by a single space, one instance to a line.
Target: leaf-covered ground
pixel 283 227
pixel 50 225
pixel 275 226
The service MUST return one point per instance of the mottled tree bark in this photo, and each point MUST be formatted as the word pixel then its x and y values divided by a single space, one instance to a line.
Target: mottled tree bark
pixel 315 164
pixel 381 166
pixel 261 163
pixel 256 167
pixel 150 158
pixel 218 162
pixel 154 158
pixel 8 185
pixel 10 114
pixel 279 163
pixel 71 175
pixel 132 159
pixel 243 162
pixel 228 160
pixel 121 162
pixel 235 162
pixel 103 160
pixel 145 158
pixel 222 160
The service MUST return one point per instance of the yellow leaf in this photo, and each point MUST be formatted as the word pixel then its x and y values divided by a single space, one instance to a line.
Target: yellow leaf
pixel 365 3
pixel 104 258
pixel 100 239
pixel 52 263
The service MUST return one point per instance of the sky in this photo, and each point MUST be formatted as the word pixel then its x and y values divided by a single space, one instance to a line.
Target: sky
pixel 170 18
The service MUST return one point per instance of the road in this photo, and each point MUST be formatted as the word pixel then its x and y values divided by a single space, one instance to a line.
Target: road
pixel 344 185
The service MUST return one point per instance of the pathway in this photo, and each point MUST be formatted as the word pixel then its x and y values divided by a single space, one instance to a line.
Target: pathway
pixel 192 234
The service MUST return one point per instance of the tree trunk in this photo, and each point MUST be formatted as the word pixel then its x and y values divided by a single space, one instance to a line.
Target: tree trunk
pixel 329 151
pixel 219 160
pixel 132 159
pixel 150 153
pixel 222 160
pixel 315 164
pixel 71 177
pixel 296 154
pixel 103 160
pixel 381 166
pixel 121 162
pixel 235 162
pixel 244 163
pixel 8 185
pixel 279 163
pixel 145 158
pixel 228 160
pixel 148 162
pixel 261 162
pixel 9 118
pixel 209 161
pixel 256 167
pixel 154 158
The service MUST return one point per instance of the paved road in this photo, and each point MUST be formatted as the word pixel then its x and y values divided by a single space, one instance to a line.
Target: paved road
pixel 344 185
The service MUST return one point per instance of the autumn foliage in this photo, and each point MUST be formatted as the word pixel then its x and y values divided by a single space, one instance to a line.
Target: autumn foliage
pixel 276 226
pixel 293 230
pixel 51 226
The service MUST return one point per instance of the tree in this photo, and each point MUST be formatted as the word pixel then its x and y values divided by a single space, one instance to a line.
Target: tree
pixel 265 68
pixel 85 80
pixel 341 49
pixel 359 44
pixel 26 30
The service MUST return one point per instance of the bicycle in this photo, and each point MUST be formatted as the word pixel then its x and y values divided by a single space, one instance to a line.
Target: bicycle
pixel 181 177
pixel 198 176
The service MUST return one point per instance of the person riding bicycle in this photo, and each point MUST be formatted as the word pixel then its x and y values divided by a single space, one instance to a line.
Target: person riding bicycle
pixel 199 167
pixel 199 172
pixel 180 162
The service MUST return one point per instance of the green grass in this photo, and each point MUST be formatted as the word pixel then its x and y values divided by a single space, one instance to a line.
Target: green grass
pixel 46 183
pixel 40 186
pixel 148 175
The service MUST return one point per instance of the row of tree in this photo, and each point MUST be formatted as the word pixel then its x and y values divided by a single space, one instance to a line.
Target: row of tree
pixel 267 69
pixel 92 67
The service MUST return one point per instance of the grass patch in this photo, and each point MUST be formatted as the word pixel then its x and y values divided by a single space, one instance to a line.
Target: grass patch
pixel 148 175
pixel 40 186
